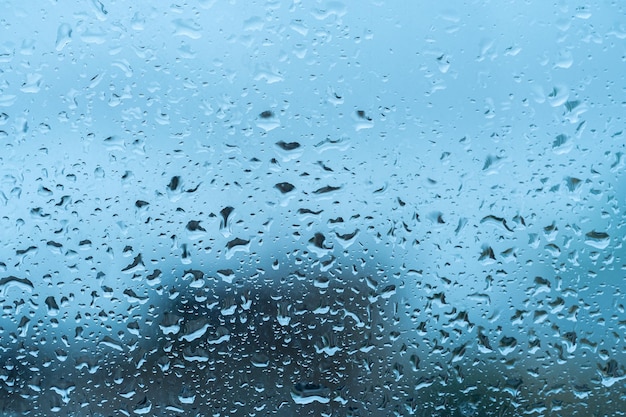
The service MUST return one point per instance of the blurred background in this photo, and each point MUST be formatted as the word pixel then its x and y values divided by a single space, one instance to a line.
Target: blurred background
pixel 326 208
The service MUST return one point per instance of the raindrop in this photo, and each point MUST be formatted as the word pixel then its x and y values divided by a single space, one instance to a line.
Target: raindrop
pixel 307 393
pixel 64 36
pixel 284 187
pixel 599 240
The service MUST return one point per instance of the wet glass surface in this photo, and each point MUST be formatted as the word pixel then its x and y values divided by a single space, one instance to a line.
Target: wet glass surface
pixel 227 208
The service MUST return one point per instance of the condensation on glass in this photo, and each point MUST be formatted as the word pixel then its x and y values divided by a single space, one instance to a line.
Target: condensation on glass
pixel 229 208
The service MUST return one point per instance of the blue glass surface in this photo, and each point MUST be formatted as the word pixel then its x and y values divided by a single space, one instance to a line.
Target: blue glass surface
pixel 229 208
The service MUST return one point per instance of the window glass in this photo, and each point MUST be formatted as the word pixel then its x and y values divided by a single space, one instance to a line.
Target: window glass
pixel 241 208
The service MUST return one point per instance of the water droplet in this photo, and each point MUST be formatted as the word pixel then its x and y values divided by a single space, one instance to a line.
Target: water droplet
pixel 186 396
pixel 64 36
pixel 196 354
pixel 220 336
pixel 32 84
pixel 237 245
pixel 260 360
pixel 112 343
pixel 21 284
pixel 143 407
pixel 188 28
pixel 307 393
pixel 599 240
pixel 507 345
pixel 195 329
pixel 53 307
pixel 284 187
